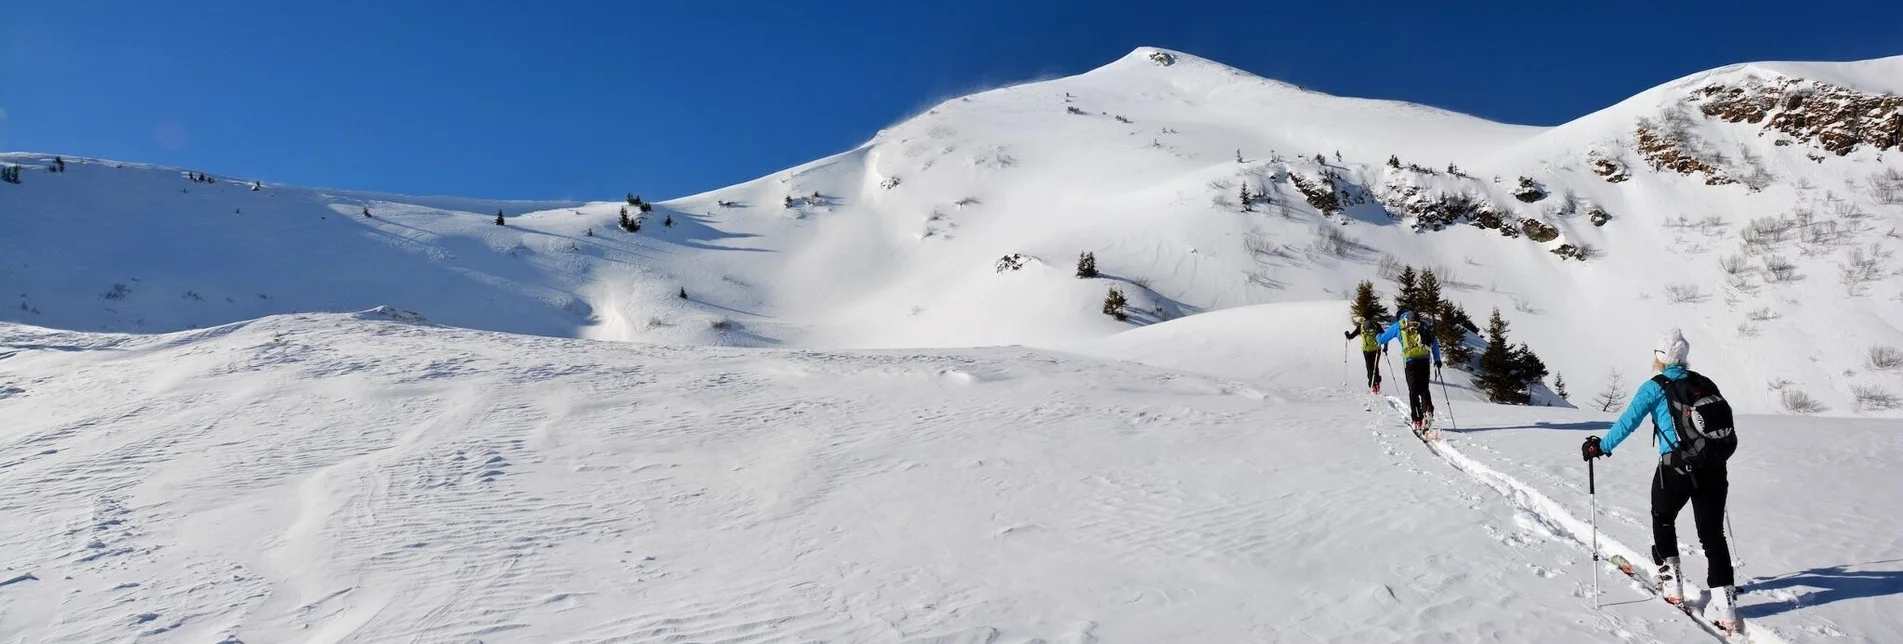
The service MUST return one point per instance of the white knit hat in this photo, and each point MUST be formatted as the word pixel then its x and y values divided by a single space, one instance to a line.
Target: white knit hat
pixel 1672 347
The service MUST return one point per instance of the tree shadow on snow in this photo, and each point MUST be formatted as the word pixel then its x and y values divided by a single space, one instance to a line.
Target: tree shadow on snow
pixel 1586 426
pixel 1822 586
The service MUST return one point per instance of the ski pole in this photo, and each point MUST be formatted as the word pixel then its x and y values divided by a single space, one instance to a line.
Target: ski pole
pixel 1731 539
pixel 1451 422
pixel 1592 492
pixel 1344 364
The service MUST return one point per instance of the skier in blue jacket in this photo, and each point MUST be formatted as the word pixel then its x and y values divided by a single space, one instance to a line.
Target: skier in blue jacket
pixel 1704 486
pixel 1417 345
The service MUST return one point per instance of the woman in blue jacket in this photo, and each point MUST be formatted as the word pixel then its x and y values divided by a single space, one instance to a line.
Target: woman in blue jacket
pixel 1704 486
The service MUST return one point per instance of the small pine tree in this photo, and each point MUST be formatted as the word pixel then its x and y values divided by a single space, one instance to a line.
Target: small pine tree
pixel 1086 265
pixel 1245 198
pixel 1338 155
pixel 499 218
pixel 1498 366
pixel 1453 169
pixel 633 200
pixel 590 232
pixel 1408 289
pixel 257 185
pixel 789 201
pixel 1320 160
pixel 366 211
pixel 669 222
pixel 1527 367
pixel 1367 304
pixel 1613 394
pixel 1238 155
pixel 683 292
pixel 10 174
pixel 59 162
pixel 1451 329
pixel 645 207
pixel 1427 296
pixel 1394 162
pixel 1559 386
pixel 1113 304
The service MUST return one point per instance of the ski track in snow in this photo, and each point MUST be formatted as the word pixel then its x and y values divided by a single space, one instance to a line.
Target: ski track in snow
pixel 1540 518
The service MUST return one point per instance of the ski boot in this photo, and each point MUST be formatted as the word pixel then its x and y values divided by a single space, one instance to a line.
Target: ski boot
pixel 1670 586
pixel 1722 611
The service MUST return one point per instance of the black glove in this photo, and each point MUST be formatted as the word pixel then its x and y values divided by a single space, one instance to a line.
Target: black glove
pixel 1437 365
pixel 1591 449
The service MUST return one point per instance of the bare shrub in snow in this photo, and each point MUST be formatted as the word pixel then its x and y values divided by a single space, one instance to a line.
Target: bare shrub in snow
pixel 1611 396
pixel 1683 294
pixel 1864 267
pixel 1389 267
pixel 1747 330
pixel 1761 315
pixel 1011 262
pixel 1887 187
pixel 890 183
pixel 1780 270
pixel 1884 358
pixel 1331 241
pixel 1763 234
pixel 1797 402
pixel 1874 398
pixel 1734 264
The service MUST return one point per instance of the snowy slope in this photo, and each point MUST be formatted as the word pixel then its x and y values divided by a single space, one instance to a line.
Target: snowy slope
pixel 357 478
pixel 900 246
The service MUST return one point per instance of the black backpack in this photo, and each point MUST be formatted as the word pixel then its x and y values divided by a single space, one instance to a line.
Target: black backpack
pixel 1701 419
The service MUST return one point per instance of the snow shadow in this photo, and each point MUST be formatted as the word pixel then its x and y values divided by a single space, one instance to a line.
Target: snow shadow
pixel 1822 586
pixel 1585 426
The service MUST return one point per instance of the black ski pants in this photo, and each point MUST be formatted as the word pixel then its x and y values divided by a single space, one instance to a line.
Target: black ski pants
pixel 1372 360
pixel 1419 401
pixel 1705 488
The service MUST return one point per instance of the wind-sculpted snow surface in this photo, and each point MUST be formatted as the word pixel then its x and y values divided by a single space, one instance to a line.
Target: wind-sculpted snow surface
pixel 373 478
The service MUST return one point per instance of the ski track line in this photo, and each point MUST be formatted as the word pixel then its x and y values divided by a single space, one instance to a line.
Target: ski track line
pixel 1554 516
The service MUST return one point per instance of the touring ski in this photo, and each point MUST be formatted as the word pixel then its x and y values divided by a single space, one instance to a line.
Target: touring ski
pixel 1734 634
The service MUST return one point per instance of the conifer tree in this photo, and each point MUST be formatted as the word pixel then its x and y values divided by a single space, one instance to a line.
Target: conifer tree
pixel 366 211
pixel 1244 198
pixel 683 292
pixel 1408 287
pixel 1450 329
pixel 1427 296
pixel 1498 376
pixel 1113 304
pixel 1394 161
pixel 499 218
pixel 1367 304
pixel 1086 265
pixel 1559 386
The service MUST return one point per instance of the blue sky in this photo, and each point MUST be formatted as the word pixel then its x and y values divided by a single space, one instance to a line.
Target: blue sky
pixel 588 100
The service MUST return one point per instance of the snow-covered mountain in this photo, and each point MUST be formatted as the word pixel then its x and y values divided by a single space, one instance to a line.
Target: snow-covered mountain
pixel 1754 205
